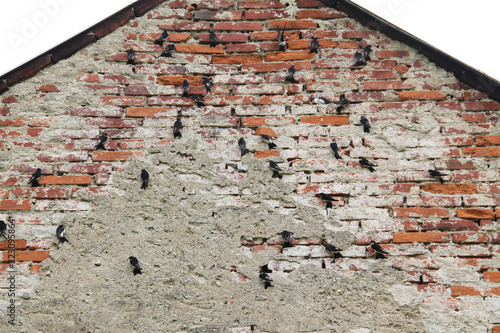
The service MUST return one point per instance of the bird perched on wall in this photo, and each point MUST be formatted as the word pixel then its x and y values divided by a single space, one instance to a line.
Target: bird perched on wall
pixel 435 173
pixel 276 169
pixel 145 179
pixel 367 164
pixel 333 249
pixel 286 239
pixel 358 56
pixel 319 99
pixel 213 37
pixel 100 142
pixel 198 99
pixel 3 228
pixel 267 139
pixel 159 40
pixel 185 88
pixel 243 147
pixel 366 124
pixel 177 128
pixel 207 83
pixel 379 251
pixel 267 280
pixel 135 263
pixel 291 72
pixel 326 198
pixel 335 149
pixel 130 57
pixel 167 52
pixel 342 103
pixel 281 39
pixel 366 53
pixel 34 178
pixel 60 234
pixel 313 48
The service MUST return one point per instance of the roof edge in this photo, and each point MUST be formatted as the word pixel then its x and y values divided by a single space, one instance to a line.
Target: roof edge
pixel 76 43
pixel 463 72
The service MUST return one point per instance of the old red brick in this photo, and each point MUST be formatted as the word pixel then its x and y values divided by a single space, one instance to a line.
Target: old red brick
pixel 269 121
pixel 482 106
pixel 266 153
pixel 123 100
pixel 47 88
pixel 475 213
pixel 420 212
pixel 41 193
pixel 65 180
pixel 115 155
pixel 434 95
pixel 239 26
pixel 266 14
pixel 151 112
pixel 260 4
pixel 321 14
pixel 492 276
pixel 457 291
pixel 391 54
pixel 34 256
pixel 482 151
pixel 488 140
pixel 449 225
pixel 289 56
pixel 325 120
pixel 421 237
pixel 15 204
pixel 470 237
pixel 15 244
pixel 450 188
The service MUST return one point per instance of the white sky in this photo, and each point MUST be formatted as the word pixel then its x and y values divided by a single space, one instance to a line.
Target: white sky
pixel 461 28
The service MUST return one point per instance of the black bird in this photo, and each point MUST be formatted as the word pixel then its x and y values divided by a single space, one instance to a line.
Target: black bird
pixel 281 39
pixel 159 40
pixel 318 99
pixel 335 149
pixel 267 280
pixel 34 178
pixel 265 269
pixel 366 124
pixel 145 179
pixel 100 142
pixel 198 99
pixel 327 198
pixel 267 139
pixel 166 53
pixel 342 103
pixel 195 6
pixel 185 88
pixel 243 147
pixel 276 169
pixel 3 227
pixel 377 248
pixel 314 45
pixel 435 173
pixel 380 256
pixel 291 72
pixel 366 53
pixel 364 162
pixel 130 57
pixel 60 234
pixel 213 38
pixel 135 263
pixel 330 247
pixel 358 56
pixel 286 238
pixel 207 83
pixel 177 128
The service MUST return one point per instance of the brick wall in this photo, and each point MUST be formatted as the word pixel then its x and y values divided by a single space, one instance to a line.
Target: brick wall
pixel 443 238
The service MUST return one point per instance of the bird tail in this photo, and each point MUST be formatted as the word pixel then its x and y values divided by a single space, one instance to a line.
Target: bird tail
pixel 276 174
pixel 441 180
pixel 158 42
pixel 313 51
pixel 62 240
pixel 271 145
pixel 137 271
pixel 380 256
pixel 287 244
pixel 267 285
pixel 245 151
pixel 185 94
pixel 339 109
pixel 177 135
pixel 3 235
pixel 130 62
pixel 209 90
pixel 329 205
pixel 144 185
pixel 35 183
pixel 200 104
pixel 371 169
pixel 337 156
pixel 166 55
pixel 213 44
pixel 367 58
pixel 359 63
pixel 282 48
pixel 100 146
pixel 366 129
pixel 337 255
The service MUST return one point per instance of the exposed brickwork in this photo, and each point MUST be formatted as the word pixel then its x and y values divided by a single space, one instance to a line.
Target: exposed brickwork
pixel 421 119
